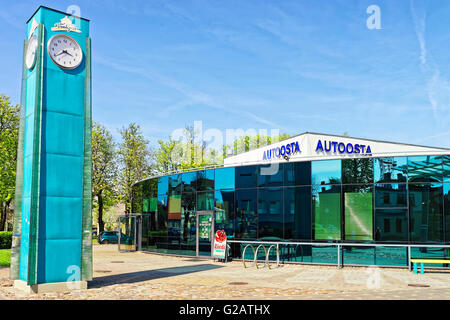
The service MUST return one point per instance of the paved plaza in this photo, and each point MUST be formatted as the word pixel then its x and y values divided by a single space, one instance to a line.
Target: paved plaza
pixel 139 275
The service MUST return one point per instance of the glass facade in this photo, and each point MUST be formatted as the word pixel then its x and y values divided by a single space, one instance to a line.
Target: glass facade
pixel 396 200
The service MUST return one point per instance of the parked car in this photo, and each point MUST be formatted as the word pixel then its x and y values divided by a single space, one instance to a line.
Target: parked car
pixel 108 237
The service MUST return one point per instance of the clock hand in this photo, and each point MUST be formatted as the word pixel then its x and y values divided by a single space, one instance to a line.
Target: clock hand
pixel 65 51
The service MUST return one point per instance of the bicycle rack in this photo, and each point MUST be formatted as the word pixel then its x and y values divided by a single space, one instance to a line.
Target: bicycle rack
pixel 256 256
pixel 243 254
pixel 266 255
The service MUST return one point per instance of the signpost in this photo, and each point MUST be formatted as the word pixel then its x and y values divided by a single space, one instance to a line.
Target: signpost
pixel 220 245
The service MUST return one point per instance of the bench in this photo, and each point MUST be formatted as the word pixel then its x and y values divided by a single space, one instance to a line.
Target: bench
pixel 422 261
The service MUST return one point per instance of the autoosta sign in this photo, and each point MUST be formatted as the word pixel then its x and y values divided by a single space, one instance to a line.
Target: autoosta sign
pixel 341 147
pixel 284 150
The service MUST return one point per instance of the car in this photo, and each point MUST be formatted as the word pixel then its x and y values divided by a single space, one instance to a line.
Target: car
pixel 108 237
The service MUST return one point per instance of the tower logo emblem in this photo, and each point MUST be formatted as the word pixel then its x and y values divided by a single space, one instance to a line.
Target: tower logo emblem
pixel 65 25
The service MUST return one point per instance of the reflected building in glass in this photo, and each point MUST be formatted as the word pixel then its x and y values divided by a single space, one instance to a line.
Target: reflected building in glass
pixel 333 189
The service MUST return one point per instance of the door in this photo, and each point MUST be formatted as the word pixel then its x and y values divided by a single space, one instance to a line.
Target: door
pixel 205 233
pixel 129 233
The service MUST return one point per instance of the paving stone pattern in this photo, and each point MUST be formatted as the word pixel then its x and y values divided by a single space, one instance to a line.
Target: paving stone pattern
pixel 139 275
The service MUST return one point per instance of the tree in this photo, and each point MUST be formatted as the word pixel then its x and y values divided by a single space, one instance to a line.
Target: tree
pixel 104 170
pixel 9 136
pixel 134 157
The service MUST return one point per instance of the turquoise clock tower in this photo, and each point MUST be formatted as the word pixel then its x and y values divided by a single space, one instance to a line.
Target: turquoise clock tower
pixel 52 241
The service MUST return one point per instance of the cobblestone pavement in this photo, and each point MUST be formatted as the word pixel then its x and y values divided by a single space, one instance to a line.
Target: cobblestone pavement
pixel 139 275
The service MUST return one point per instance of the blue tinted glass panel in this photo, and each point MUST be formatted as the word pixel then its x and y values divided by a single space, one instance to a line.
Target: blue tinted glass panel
pixel 297 213
pixel 270 175
pixel 188 224
pixel 326 212
pixel 425 169
pixel 295 253
pixel 246 177
pixel 391 225
pixel 447 168
pixel 357 171
pixel 270 213
pixel 205 180
pixel 391 196
pixel 326 172
pixel 189 180
pixel 224 212
pixel 205 201
pixel 390 170
pixel 163 185
pixel 426 212
pixel 391 256
pixel 324 254
pixel 224 178
pixel 447 211
pixel 246 217
pixel 175 184
pixel 359 255
pixel 297 173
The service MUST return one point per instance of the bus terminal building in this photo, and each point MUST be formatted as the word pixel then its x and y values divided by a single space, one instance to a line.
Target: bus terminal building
pixel 383 202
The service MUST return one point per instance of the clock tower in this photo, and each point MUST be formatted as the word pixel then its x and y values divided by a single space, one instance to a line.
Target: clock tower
pixel 52 241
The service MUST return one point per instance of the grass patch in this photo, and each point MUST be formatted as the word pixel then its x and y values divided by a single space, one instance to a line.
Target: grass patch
pixel 5 257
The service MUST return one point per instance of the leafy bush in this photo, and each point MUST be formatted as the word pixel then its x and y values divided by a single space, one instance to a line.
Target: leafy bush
pixel 5 240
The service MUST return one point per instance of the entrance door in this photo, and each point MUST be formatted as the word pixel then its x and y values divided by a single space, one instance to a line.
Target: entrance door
pixel 129 238
pixel 205 233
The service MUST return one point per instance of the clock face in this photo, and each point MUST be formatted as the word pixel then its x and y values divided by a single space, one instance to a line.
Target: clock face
pixel 65 51
pixel 30 55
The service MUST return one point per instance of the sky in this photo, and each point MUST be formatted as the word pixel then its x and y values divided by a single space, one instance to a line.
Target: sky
pixel 292 66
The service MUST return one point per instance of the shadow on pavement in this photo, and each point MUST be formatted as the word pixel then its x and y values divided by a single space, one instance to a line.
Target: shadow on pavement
pixel 141 276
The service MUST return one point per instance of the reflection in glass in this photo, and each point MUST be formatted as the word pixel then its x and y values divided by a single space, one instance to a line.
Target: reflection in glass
pixel 175 184
pixel 391 224
pixel 246 217
pixel 188 224
pixel 163 185
pixel 446 160
pixel 297 213
pixel 358 212
pixel 224 178
pixel 174 222
pixel 447 211
pixel 357 170
pixel 270 213
pixel 426 212
pixel 297 173
pixel 326 172
pixel 205 180
pixel 387 170
pixel 224 212
pixel 162 225
pixel 326 212
pixel 425 169
pixel 205 201
pixel 391 196
pixel 270 175
pixel 189 180
pixel 246 177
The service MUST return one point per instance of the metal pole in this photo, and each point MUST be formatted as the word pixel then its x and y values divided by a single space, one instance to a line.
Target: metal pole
pixel 409 258
pixel 339 256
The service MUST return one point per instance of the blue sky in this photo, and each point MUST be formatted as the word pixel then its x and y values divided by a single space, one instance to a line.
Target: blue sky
pixel 295 66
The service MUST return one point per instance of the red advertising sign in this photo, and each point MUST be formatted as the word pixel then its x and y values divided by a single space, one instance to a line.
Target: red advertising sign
pixel 220 244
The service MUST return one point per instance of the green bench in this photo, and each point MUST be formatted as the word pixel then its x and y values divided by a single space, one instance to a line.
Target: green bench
pixel 422 261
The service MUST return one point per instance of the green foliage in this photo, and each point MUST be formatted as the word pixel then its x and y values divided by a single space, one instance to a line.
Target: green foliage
pixel 5 240
pixel 247 142
pixel 5 258
pixel 104 171
pixel 134 156
pixel 9 137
